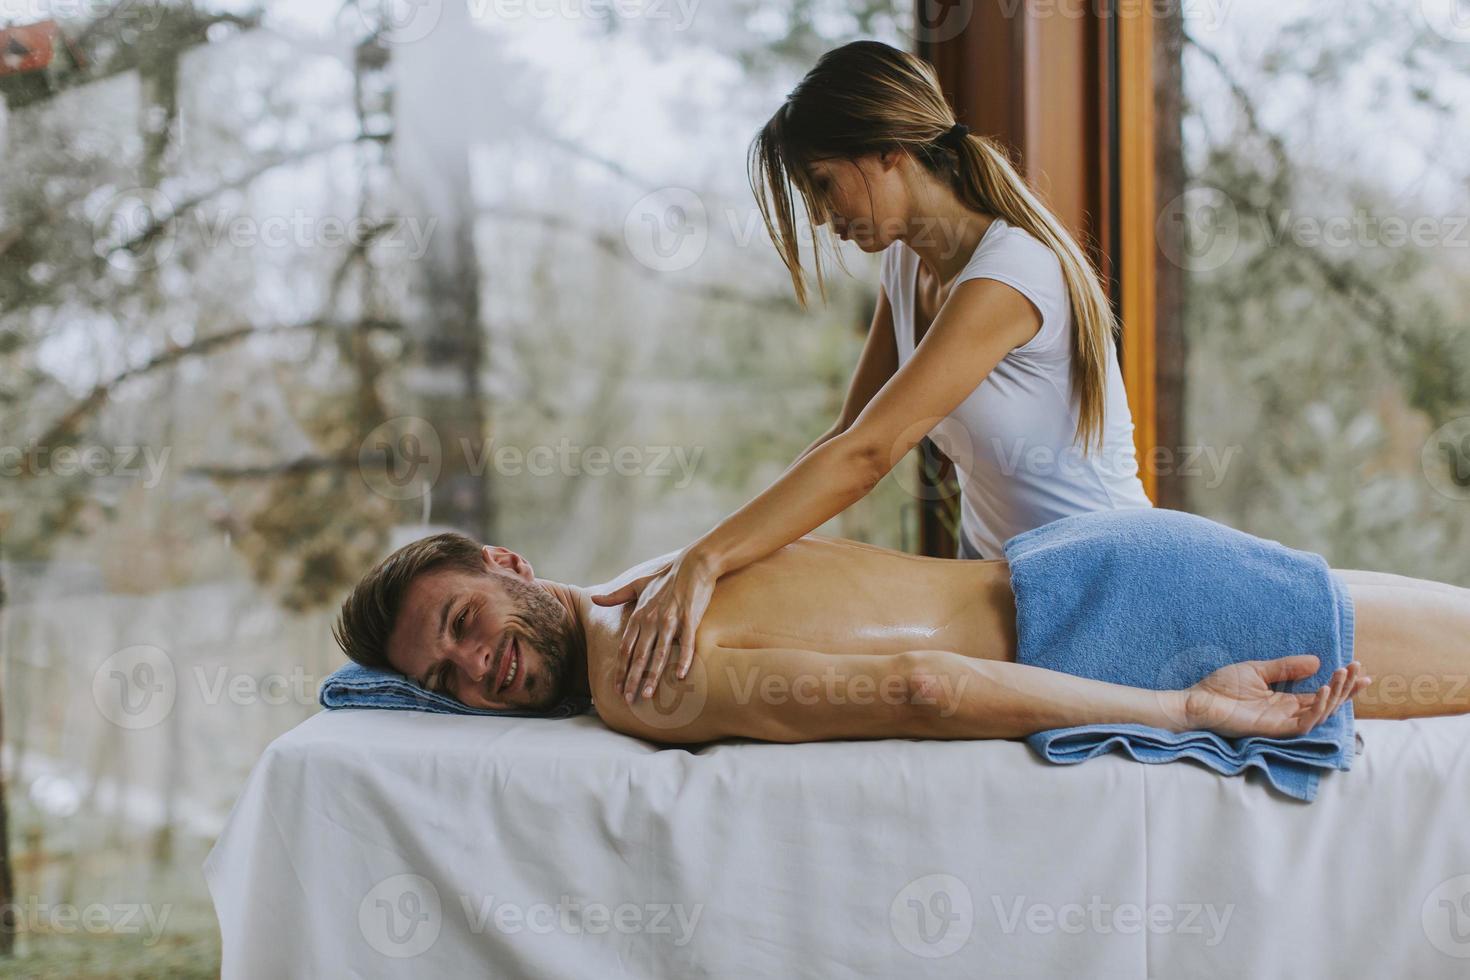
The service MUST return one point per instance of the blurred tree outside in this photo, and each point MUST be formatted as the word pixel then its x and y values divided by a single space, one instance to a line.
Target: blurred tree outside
pixel 1327 280
pixel 283 286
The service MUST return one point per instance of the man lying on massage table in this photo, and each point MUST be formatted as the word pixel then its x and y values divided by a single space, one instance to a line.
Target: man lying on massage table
pixel 835 639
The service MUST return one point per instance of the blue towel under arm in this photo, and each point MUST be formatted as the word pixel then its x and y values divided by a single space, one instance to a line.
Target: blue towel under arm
pixel 1158 599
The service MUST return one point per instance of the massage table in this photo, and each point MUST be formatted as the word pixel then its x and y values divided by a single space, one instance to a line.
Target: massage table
pixel 376 843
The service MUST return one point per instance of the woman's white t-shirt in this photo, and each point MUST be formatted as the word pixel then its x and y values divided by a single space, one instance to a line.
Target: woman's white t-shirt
pixel 1012 439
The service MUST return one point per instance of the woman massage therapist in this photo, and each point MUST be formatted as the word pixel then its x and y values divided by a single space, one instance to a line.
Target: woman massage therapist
pixel 992 334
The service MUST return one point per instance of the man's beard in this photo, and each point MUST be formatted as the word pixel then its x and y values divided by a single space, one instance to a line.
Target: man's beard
pixel 544 623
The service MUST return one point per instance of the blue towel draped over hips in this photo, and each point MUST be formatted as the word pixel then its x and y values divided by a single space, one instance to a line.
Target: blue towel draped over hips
pixel 356 686
pixel 1158 599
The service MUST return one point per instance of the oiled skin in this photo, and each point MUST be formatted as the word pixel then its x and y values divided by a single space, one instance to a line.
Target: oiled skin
pixel 824 604
pixel 817 599
pixel 836 596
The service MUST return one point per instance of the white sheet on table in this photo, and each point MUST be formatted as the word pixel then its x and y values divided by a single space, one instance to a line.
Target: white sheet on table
pixel 814 860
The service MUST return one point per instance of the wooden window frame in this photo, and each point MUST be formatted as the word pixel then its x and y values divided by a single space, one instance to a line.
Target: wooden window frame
pixel 1069 90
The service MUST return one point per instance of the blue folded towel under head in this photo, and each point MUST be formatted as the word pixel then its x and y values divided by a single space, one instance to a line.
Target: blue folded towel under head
pixel 356 686
pixel 1158 599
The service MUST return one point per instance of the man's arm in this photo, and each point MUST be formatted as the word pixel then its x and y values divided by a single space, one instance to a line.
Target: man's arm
pixel 786 695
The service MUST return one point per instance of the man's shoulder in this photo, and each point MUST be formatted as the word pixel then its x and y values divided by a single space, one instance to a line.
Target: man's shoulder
pixel 603 625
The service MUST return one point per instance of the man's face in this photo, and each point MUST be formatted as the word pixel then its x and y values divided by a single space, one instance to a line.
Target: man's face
pixel 462 634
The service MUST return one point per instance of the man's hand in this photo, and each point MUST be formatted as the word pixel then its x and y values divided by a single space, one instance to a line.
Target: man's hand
pixel 1237 699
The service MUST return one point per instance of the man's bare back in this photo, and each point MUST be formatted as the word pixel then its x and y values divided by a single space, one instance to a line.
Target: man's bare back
pixel 806 610
pixel 834 596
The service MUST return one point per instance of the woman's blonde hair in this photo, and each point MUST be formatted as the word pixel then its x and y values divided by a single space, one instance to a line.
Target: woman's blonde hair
pixel 867 97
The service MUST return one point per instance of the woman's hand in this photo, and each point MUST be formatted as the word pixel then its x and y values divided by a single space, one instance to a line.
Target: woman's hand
pixel 1237 699
pixel 631 591
pixel 673 600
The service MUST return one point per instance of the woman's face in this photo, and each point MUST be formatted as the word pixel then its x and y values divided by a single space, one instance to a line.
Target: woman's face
pixel 868 197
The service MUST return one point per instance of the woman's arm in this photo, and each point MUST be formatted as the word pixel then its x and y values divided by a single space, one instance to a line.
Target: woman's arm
pixel 982 321
pixel 878 362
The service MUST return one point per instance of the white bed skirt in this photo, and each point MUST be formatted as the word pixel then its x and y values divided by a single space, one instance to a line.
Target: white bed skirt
pixel 400 844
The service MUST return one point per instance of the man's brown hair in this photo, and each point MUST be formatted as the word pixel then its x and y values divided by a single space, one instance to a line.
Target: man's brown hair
pixel 370 610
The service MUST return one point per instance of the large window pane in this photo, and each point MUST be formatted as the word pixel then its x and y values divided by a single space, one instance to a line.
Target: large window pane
pixel 283 287
pixel 1327 299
